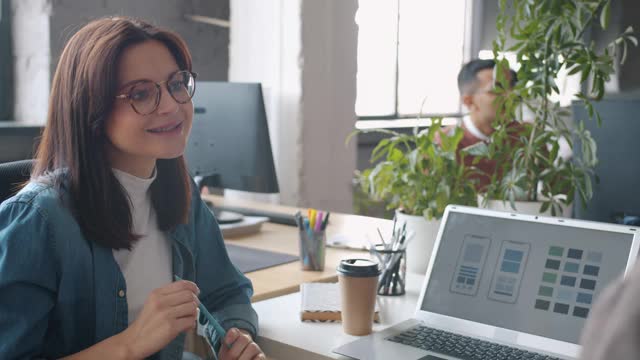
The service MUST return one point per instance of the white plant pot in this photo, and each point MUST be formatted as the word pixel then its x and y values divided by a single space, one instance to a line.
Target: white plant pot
pixel 421 245
pixel 525 207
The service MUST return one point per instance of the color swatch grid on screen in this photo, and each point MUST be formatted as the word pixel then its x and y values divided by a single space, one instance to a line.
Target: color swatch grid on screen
pixel 568 281
pixel 471 259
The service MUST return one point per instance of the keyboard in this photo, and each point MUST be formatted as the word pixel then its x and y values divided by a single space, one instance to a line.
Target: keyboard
pixel 274 217
pixel 461 346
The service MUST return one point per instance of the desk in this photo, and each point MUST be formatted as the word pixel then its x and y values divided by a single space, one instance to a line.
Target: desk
pixel 283 336
pixel 276 290
pixel 286 279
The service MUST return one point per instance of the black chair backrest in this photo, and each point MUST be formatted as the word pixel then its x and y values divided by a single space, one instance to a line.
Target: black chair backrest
pixel 12 175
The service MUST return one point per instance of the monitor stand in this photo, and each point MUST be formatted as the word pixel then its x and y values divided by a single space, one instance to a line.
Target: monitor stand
pixel 223 216
pixel 234 224
pixel 226 217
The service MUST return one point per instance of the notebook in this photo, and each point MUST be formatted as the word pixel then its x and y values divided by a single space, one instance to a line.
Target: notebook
pixel 320 302
pixel 506 285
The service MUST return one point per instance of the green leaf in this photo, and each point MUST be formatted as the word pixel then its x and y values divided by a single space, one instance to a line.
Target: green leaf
pixel 377 152
pixel 600 90
pixel 605 15
pixel 350 136
pixel 624 54
pixel 428 213
pixel 586 70
pixel 396 156
pixel 479 149
pixel 588 189
pixel 576 69
pixel 544 207
pixel 554 151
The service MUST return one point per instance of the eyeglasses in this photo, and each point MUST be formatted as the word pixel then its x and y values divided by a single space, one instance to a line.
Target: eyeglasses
pixel 144 96
pixel 490 91
pixel 497 89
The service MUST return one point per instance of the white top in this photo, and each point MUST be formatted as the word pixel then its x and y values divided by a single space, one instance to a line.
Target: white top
pixel 148 265
pixel 473 129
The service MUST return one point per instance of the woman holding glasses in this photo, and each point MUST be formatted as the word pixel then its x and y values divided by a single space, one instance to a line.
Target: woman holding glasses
pixel 89 248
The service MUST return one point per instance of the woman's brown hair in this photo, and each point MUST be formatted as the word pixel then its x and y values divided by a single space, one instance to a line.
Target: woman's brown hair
pixel 73 142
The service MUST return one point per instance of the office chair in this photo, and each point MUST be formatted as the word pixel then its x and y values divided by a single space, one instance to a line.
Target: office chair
pixel 12 175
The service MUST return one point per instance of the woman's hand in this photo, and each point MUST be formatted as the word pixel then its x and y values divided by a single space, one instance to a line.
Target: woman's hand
pixel 167 312
pixel 238 345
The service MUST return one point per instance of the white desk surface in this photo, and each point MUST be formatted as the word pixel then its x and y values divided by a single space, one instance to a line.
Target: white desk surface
pixel 283 336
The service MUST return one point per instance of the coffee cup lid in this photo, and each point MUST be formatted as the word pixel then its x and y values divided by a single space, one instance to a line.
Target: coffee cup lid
pixel 359 268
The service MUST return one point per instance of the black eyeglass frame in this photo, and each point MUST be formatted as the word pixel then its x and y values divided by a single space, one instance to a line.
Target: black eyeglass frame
pixel 158 85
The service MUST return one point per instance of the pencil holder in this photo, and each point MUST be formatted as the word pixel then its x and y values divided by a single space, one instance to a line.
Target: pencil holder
pixel 394 271
pixel 312 249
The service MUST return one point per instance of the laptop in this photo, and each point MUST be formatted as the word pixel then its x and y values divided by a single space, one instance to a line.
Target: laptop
pixel 506 286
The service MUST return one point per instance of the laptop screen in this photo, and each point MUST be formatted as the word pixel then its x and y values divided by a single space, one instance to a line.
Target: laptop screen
pixel 525 276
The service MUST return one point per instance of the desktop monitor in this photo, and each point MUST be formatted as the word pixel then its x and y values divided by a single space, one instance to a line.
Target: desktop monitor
pixel 616 197
pixel 229 145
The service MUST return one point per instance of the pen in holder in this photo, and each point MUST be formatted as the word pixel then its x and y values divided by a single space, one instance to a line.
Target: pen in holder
pixel 312 238
pixel 394 270
pixel 392 256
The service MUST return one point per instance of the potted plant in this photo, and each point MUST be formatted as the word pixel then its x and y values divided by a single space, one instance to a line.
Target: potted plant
pixel 418 175
pixel 547 38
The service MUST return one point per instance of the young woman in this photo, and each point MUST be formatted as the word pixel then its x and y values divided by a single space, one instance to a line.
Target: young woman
pixel 89 248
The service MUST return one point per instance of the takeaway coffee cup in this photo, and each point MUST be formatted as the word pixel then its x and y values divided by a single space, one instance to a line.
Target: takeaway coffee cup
pixel 358 280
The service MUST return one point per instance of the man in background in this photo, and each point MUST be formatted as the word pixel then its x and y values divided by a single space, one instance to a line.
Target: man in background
pixel 476 83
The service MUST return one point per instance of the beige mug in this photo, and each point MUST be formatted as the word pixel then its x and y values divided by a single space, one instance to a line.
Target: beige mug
pixel 358 280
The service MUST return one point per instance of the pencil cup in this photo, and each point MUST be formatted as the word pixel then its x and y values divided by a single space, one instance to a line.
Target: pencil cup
pixel 394 271
pixel 312 249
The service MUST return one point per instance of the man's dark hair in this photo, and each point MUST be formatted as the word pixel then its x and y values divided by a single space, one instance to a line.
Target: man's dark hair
pixel 467 75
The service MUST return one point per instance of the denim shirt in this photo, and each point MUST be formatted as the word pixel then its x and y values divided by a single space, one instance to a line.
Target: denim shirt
pixel 61 293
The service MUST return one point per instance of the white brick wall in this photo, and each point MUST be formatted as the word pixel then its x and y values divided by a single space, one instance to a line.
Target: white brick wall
pixel 31 52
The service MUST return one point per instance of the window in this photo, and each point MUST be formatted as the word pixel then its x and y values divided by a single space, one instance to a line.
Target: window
pixel 409 51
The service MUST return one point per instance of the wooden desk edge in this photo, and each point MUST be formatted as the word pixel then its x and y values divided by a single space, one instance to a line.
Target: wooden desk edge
pixel 339 223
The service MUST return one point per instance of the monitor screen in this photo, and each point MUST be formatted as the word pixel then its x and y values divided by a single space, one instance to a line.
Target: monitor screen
pixel 526 276
pixel 229 140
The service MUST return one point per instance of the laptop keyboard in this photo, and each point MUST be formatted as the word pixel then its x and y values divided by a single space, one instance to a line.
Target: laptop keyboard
pixel 461 346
